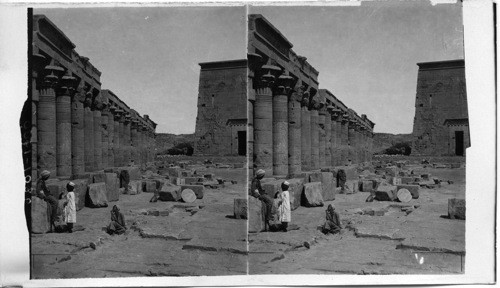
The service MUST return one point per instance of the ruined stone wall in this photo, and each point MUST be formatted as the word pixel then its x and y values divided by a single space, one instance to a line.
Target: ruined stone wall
pixel 441 96
pixel 222 106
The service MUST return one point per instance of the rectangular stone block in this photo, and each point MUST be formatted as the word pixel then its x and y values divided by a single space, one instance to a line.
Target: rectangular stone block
pixel 57 187
pixel 134 172
pixel 174 171
pixel 135 187
pixel 40 220
pixel 192 180
pixel 315 176
pixel 414 190
pixel 256 221
pixel 170 192
pixel 312 196
pixel 209 176
pixel 391 171
pixel 81 189
pixel 149 186
pixel 456 208
pixel 366 185
pixel 186 173
pixel 112 185
pixel 296 189
pixel 406 180
pixel 97 195
pixel 197 189
pixel 396 181
pixel 240 208
pixel 272 187
pixel 328 186
pixel 178 181
pixel 98 177
pixel 386 193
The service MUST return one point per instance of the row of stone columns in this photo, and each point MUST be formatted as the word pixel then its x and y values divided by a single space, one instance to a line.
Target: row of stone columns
pixel 294 132
pixel 76 132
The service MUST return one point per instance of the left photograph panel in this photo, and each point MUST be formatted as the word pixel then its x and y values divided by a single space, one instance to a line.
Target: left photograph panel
pixel 135 142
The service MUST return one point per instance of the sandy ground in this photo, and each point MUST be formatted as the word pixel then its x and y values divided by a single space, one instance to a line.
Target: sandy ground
pixel 422 242
pixel 209 242
pixel 206 240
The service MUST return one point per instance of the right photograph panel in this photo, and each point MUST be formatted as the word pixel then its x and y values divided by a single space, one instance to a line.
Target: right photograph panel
pixel 357 137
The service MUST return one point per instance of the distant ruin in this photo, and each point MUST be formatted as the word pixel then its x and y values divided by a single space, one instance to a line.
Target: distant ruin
pixel 221 122
pixel 441 123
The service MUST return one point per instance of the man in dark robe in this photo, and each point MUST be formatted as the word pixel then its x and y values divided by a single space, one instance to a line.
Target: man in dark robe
pixel 44 193
pixel 258 192
pixel 117 224
pixel 332 223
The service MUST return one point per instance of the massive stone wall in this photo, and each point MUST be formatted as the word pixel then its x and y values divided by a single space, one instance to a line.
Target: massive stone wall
pixel 76 127
pixel 222 116
pixel 440 125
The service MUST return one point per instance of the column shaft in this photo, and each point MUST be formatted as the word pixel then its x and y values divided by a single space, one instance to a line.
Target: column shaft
pixel 97 140
pixel 305 137
pixel 135 143
pixel 322 138
pixel 314 139
pixel 77 135
pixel 294 134
pixel 111 140
pixel 328 145
pixel 263 130
pixel 63 120
pixel 126 146
pixel 89 139
pixel 105 138
pixel 47 130
pixel 280 134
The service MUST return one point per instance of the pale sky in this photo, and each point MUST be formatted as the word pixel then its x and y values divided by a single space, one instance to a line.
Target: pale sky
pixel 366 55
pixel 149 56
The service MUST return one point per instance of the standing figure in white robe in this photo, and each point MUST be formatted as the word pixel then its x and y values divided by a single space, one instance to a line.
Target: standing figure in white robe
pixel 70 208
pixel 285 212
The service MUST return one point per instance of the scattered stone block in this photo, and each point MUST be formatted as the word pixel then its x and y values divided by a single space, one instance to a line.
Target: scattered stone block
pixel 112 184
pixel 315 176
pixel 414 190
pixel 209 176
pixel 391 171
pixel 40 219
pixel 98 177
pixel 272 187
pixel 240 208
pixel 153 213
pixel 57 187
pixel 395 180
pixel 191 180
pixel 149 186
pixel 170 192
pixel 188 196
pixel 406 180
pixel 385 193
pixel 256 219
pixel 403 195
pixel 97 195
pixel 295 190
pixel 134 187
pixel 425 176
pixel 197 189
pixel 186 173
pixel 178 181
pixel 327 185
pixel 81 188
pixel 456 208
pixel 133 172
pixel 366 185
pixel 312 196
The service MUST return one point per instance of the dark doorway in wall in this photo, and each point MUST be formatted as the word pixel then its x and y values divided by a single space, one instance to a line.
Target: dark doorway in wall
pixel 242 143
pixel 459 143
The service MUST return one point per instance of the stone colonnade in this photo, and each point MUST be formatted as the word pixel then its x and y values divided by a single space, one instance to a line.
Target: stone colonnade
pixel 295 128
pixel 76 127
